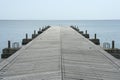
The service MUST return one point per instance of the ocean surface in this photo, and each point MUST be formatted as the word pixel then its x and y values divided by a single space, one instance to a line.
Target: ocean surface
pixel 15 30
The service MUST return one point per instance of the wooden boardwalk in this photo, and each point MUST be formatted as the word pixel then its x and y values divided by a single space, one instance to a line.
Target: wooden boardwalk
pixel 60 53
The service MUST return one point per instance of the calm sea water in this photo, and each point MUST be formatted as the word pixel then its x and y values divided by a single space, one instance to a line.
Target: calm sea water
pixel 15 30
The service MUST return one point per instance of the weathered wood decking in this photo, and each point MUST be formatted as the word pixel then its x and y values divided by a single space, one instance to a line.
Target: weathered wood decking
pixel 60 53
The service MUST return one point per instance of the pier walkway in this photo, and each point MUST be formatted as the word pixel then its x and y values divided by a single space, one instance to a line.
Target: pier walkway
pixel 60 53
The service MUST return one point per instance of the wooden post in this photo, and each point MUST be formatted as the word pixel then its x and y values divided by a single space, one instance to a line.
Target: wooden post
pixel 113 44
pixel 39 29
pixel 95 36
pixel 34 31
pixel 86 32
pixel 9 44
pixel 26 36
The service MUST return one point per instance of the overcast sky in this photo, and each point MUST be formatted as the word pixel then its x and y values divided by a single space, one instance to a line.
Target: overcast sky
pixel 59 9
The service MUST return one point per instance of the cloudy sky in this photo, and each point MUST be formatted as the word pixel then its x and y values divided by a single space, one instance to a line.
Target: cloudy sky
pixel 59 9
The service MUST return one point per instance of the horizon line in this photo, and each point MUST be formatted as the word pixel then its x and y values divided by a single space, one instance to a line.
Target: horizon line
pixel 58 19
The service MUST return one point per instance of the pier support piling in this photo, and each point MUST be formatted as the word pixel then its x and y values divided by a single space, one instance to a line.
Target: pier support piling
pixel 95 36
pixel 6 52
pixel 40 31
pixel 86 35
pixel 26 40
pixel 113 44
pixel 95 40
pixel 86 32
pixel 9 44
pixel 113 51
pixel 26 36
pixel 34 35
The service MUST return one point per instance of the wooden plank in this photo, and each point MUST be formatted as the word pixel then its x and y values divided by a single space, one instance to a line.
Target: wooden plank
pixel 60 53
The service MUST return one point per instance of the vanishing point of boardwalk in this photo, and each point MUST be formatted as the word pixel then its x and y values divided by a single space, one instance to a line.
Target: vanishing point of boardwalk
pixel 60 53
